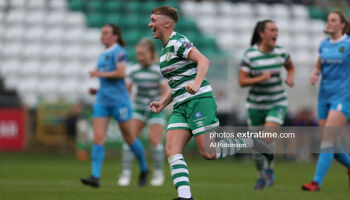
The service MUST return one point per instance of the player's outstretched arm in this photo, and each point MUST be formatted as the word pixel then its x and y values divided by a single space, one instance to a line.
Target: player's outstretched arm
pixel 290 72
pixel 316 71
pixel 202 70
pixel 120 72
pixel 158 106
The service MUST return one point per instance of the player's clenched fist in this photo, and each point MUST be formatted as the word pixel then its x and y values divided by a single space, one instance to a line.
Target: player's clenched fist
pixel 192 88
pixel 156 107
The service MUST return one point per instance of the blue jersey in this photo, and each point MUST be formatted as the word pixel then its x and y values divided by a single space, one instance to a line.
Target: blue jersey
pixel 335 65
pixel 112 91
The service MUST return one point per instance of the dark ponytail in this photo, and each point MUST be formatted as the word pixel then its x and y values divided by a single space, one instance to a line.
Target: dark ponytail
pixel 116 31
pixel 259 27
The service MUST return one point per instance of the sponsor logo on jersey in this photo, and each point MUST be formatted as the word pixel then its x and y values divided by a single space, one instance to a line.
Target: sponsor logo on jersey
pixel 341 49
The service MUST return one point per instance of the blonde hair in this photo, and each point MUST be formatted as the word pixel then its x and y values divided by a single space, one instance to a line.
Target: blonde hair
pixel 150 46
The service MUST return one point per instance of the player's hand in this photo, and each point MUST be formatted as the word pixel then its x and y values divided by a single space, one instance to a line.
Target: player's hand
pixel 156 107
pixel 289 82
pixel 92 91
pixel 266 75
pixel 192 88
pixel 94 73
pixel 313 78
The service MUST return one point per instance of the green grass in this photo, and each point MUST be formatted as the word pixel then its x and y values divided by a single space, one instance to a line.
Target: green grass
pixel 51 177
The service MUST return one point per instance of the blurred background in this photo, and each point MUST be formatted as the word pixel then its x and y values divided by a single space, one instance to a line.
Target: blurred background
pixel 47 48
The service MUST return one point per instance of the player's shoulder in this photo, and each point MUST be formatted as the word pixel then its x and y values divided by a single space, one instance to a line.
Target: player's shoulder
pixel 347 39
pixel 118 48
pixel 280 49
pixel 251 51
pixel 179 39
pixel 155 67
pixel 134 68
pixel 325 41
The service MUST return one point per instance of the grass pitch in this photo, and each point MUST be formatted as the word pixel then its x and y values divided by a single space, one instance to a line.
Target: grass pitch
pixel 56 177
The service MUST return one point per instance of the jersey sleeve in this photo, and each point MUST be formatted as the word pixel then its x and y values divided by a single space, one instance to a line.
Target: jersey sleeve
pixel 183 47
pixel 245 64
pixel 321 47
pixel 286 55
pixel 120 57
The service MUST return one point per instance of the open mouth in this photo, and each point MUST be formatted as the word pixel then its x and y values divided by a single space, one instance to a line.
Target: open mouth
pixel 274 39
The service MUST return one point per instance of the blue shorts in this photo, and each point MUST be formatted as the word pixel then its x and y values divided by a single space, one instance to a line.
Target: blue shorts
pixel 120 113
pixel 324 107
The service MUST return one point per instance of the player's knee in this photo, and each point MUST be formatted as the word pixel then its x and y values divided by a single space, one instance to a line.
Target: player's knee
pixel 171 150
pixel 207 156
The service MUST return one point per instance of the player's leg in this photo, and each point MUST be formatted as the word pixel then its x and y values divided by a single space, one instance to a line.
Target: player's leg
pixel 156 129
pixel 123 115
pixel 257 118
pixel 176 141
pixel 335 118
pixel 340 154
pixel 275 118
pixel 128 155
pixel 100 125
pixel 177 136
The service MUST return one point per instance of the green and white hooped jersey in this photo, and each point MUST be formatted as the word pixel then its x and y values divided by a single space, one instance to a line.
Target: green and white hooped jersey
pixel 148 83
pixel 179 70
pixel 267 94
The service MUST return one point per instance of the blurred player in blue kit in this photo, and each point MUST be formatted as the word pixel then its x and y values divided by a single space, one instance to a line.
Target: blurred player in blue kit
pixel 334 95
pixel 112 101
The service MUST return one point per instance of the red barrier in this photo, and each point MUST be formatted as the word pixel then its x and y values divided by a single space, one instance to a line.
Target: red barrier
pixel 12 129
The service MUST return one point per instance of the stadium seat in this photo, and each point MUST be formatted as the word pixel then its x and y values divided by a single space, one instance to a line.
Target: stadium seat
pixel 91 36
pixel 35 18
pixel 300 11
pixel 18 4
pixel 317 26
pixel 12 50
pixel 55 18
pixel 54 50
pixel 58 4
pixel 73 35
pixel 71 52
pixel 16 17
pixel 35 33
pixel 226 9
pixel 10 67
pixel 48 87
pixel 76 5
pixel 280 11
pixel 74 19
pixel 30 68
pixel 189 8
pixel 36 4
pixel 207 8
pixel 3 5
pixel 245 9
pixel 263 11
pixel 32 50
pixel 114 7
pixel 11 82
pixel 50 68
pixel 96 19
pixel 54 35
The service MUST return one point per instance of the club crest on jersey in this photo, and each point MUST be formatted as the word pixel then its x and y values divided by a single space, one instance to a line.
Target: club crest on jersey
pixel 341 49
pixel 107 57
pixel 168 56
pixel 198 115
